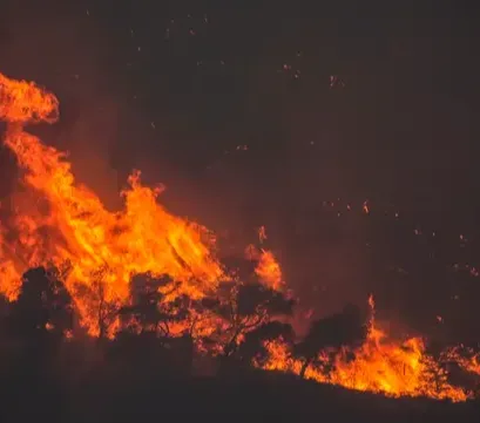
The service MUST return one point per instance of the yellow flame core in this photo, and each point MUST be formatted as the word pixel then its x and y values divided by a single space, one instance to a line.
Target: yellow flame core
pixel 142 238
pixel 380 364
pixel 64 223
pixel 268 270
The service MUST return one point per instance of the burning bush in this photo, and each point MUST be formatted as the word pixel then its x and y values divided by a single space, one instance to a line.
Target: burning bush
pixel 144 280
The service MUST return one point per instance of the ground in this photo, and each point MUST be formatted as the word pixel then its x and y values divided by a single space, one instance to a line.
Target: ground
pixel 258 397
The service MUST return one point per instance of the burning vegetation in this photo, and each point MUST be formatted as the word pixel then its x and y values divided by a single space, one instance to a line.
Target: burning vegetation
pixel 71 270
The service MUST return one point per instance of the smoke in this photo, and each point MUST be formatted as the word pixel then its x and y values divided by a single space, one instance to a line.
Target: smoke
pixel 307 142
pixel 234 191
pixel 56 45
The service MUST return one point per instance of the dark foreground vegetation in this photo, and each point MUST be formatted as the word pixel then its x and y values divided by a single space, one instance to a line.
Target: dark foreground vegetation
pixel 259 396
pixel 147 375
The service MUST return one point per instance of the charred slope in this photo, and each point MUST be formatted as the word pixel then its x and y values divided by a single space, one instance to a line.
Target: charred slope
pixel 256 396
pixel 244 396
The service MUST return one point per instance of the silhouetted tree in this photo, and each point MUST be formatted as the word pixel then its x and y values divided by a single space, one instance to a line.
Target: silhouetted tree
pixel 100 304
pixel 253 346
pixel 149 311
pixel 244 308
pixel 144 311
pixel 36 323
pixel 346 328
pixel 148 342
pixel 43 306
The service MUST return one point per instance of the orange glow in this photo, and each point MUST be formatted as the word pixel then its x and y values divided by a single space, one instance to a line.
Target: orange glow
pixel 268 270
pixel 380 365
pixel 23 102
pixel 58 221
pixel 102 248
pixel 365 207
pixel 262 234
pixel 465 358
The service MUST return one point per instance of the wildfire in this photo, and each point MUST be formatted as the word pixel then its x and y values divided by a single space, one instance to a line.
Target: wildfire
pixel 101 247
pixel 380 365
pixel 465 358
pixel 59 222
pixel 267 268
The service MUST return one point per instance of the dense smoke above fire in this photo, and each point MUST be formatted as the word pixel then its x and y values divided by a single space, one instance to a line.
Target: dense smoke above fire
pixel 102 258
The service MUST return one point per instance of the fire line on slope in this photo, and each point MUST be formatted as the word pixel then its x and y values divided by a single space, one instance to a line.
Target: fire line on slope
pixel 62 223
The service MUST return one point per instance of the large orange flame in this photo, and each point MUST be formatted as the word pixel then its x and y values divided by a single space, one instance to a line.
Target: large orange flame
pixel 63 223
pixel 96 243
pixel 381 364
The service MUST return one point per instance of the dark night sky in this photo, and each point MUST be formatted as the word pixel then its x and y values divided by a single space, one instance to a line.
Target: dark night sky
pixel 174 87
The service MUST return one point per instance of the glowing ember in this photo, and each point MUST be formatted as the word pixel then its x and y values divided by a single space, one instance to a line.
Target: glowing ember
pixel 262 234
pixel 465 358
pixel 366 207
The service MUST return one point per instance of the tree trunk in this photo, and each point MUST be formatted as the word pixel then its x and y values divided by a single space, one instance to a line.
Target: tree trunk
pixel 305 367
pixel 231 347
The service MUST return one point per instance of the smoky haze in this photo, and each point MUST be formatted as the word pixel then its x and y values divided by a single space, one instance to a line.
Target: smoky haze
pixel 352 104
